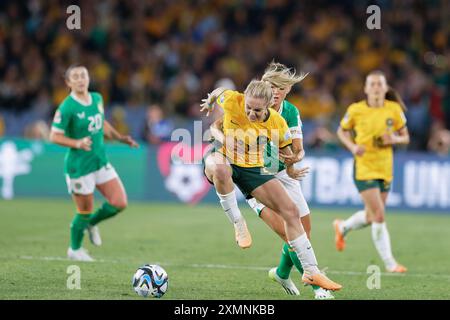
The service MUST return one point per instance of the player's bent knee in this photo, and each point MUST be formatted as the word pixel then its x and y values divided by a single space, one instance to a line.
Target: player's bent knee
pixel 221 172
pixel 378 219
pixel 378 215
pixel 120 204
pixel 291 213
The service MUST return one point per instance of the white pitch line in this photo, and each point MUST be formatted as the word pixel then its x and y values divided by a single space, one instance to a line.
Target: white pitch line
pixel 243 267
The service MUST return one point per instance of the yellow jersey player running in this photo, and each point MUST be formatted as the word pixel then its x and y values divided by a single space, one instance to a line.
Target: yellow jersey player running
pixel 249 125
pixel 378 124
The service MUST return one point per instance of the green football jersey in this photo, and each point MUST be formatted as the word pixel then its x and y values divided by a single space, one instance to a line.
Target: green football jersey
pixel 77 120
pixel 291 114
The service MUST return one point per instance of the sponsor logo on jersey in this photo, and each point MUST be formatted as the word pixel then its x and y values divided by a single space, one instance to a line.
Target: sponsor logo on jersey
pixel 81 115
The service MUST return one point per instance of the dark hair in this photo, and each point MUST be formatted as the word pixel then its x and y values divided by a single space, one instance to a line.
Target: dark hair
pixel 392 94
pixel 70 68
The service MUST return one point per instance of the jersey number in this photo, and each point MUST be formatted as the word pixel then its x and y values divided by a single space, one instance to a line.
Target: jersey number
pixel 95 123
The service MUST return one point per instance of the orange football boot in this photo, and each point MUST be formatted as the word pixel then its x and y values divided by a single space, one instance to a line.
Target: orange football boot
pixel 397 269
pixel 338 236
pixel 242 235
pixel 321 280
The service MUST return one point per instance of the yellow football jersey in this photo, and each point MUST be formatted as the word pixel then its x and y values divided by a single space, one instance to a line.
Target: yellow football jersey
pixel 369 124
pixel 250 138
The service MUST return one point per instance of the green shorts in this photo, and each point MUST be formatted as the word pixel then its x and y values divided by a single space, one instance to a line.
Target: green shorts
pixel 247 179
pixel 381 184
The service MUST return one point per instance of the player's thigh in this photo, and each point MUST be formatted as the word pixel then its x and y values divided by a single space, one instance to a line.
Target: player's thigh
pixel 217 164
pixel 84 202
pixel 294 190
pixel 114 192
pixel 273 195
pixel 110 186
pixel 373 202
pixel 82 191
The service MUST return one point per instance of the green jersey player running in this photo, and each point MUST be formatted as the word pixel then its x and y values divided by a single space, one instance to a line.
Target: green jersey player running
pixel 282 79
pixel 80 124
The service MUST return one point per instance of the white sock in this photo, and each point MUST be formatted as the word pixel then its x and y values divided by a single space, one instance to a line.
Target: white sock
pixel 305 254
pixel 357 221
pixel 230 206
pixel 382 241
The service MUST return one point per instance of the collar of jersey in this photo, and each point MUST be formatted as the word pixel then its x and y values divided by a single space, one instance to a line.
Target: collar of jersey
pixel 81 102
pixel 281 107
pixel 366 103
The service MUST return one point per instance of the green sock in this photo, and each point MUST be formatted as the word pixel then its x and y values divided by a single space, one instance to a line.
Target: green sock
pixel 298 264
pixel 106 211
pixel 285 265
pixel 79 224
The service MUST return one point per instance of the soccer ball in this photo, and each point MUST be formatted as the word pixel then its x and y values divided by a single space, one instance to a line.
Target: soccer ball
pixel 150 280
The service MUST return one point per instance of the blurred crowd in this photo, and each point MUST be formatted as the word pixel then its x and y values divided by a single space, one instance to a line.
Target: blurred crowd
pixel 153 61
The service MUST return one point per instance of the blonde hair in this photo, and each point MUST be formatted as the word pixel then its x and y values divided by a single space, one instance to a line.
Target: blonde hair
pixel 281 76
pixel 259 89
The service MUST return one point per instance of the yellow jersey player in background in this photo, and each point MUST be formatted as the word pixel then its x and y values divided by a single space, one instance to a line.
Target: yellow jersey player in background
pixel 378 124
pixel 249 125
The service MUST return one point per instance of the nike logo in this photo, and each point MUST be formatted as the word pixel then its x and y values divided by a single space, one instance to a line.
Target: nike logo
pixel 234 122
pixel 308 248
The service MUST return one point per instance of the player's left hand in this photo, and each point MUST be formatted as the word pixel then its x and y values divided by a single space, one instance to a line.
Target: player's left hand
pixel 297 174
pixel 129 141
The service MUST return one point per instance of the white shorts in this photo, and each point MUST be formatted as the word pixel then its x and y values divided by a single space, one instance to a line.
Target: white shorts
pixel 293 189
pixel 86 184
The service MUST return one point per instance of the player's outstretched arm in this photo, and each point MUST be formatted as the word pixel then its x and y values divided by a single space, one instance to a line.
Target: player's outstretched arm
pixel 209 103
pixel 113 134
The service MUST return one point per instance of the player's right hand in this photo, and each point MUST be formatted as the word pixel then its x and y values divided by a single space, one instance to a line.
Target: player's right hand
pixel 297 174
pixel 358 150
pixel 84 143
pixel 207 104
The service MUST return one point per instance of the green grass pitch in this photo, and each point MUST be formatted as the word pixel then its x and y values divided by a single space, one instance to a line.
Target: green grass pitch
pixel 195 244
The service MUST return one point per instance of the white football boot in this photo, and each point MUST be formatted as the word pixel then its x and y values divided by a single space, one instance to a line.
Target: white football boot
pixel 94 235
pixel 79 255
pixel 287 284
pixel 322 294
